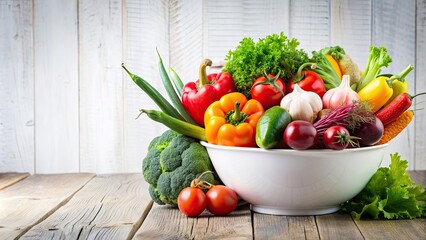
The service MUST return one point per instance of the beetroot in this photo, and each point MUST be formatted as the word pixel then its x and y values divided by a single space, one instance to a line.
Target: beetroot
pixel 369 132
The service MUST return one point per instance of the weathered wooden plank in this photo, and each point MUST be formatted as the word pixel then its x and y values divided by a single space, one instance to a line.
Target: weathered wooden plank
pixel 337 226
pixel 393 229
pixel 186 37
pixel 350 27
pixel 166 222
pixel 418 177
pixel 16 86
pixel 30 201
pixel 108 207
pixel 56 87
pixel 101 91
pixel 284 227
pixel 313 32
pixel 8 179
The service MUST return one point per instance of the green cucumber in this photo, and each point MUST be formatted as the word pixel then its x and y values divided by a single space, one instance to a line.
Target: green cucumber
pixel 271 126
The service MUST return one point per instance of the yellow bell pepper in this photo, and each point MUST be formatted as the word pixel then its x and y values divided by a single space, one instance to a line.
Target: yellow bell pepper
pixel 232 120
pixel 377 92
pixel 399 84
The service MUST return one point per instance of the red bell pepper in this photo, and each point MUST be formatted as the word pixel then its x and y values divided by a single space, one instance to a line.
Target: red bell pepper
pixel 307 80
pixel 198 95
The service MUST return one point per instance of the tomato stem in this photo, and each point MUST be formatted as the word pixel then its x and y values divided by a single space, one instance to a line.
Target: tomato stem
pixel 201 184
pixel 271 81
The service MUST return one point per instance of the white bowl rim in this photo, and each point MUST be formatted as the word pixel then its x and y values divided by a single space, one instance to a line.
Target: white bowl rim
pixel 256 149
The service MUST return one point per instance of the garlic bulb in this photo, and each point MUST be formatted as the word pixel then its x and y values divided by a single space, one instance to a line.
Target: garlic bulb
pixel 301 104
pixel 340 96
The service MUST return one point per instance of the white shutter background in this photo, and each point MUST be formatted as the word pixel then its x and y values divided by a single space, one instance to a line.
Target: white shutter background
pixel 68 106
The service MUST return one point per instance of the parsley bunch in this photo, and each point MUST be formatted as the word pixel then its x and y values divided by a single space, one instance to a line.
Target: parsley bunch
pixel 272 54
pixel 390 194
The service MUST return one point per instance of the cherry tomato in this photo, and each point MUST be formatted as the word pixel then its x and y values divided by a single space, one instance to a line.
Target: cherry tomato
pixel 300 135
pixel 268 90
pixel 221 200
pixel 192 201
pixel 336 137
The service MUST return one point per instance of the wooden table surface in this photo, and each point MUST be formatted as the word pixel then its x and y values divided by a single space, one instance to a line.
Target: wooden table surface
pixel 118 206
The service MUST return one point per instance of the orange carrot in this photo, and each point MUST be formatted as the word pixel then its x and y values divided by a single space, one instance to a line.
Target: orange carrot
pixel 394 128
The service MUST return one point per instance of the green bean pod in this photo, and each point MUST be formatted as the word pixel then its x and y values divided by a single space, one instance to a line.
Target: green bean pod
pixel 177 125
pixel 174 98
pixel 161 102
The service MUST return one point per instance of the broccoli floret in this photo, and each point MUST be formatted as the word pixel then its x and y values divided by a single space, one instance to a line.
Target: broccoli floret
pixel 377 58
pixel 172 162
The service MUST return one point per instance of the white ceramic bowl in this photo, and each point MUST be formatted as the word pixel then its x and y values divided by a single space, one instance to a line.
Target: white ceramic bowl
pixel 292 182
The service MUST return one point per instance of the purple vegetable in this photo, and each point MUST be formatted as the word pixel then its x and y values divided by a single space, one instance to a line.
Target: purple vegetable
pixel 369 132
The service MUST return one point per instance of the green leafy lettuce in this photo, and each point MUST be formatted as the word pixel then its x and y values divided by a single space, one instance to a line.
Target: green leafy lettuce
pixel 390 194
pixel 272 54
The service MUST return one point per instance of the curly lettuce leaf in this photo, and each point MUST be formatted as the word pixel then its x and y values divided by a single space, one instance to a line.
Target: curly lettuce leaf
pixel 390 194
pixel 272 54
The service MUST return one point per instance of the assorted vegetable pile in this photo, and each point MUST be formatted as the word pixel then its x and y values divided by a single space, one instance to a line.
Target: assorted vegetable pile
pixel 271 94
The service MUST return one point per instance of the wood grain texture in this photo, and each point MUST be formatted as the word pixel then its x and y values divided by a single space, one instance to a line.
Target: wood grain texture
pixel 226 23
pixel 101 86
pixel 313 32
pixel 16 86
pixel 284 227
pixel 165 222
pixel 393 229
pixel 108 207
pixel 56 86
pixel 418 177
pixel 8 179
pixel 350 28
pixel 186 37
pixel 337 226
pixel 420 86
pixel 30 201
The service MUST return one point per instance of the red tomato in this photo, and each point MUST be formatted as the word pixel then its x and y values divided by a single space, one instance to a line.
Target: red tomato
pixel 300 134
pixel 192 201
pixel 221 200
pixel 268 90
pixel 336 137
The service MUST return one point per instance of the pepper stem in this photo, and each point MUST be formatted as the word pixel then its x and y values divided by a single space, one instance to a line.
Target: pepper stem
pixel 236 116
pixel 405 72
pixel 299 75
pixel 202 72
pixel 418 94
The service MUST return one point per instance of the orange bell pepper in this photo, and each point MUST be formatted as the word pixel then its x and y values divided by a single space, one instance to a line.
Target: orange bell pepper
pixel 232 120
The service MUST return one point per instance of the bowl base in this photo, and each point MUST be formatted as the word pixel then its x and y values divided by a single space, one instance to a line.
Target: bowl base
pixel 293 212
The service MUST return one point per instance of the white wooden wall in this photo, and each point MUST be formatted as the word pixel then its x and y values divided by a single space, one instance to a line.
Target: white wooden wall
pixel 67 106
